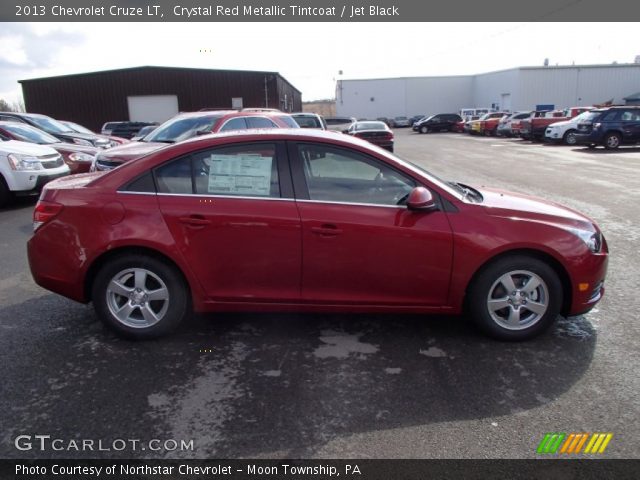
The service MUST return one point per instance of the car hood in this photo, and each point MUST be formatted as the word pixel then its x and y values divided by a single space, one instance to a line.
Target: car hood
pixel 73 148
pixel 129 151
pixel 24 148
pixel 94 139
pixel 523 207
pixel 564 123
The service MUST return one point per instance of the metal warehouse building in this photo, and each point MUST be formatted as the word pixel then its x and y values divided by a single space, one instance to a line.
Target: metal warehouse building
pixel 154 93
pixel 515 89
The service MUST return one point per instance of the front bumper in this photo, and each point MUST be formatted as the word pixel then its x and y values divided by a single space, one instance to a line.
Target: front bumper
pixel 32 181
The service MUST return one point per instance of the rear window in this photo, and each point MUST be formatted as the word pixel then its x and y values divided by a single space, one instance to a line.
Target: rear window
pixel 307 122
pixel 291 123
pixel 371 126
pixel 337 121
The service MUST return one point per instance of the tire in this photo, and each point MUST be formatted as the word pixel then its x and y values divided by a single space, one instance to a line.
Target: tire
pixel 612 141
pixel 120 296
pixel 505 314
pixel 569 137
pixel 424 129
pixel 5 194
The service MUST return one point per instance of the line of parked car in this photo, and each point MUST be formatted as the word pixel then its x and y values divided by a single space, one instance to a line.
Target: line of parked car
pixel 608 126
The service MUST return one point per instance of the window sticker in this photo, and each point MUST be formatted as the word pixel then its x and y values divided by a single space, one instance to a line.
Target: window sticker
pixel 239 174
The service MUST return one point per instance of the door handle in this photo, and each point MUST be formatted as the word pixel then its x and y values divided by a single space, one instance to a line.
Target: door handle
pixel 326 230
pixel 194 221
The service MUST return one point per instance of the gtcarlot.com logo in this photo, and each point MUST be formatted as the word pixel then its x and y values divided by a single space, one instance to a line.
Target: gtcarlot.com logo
pixel 574 443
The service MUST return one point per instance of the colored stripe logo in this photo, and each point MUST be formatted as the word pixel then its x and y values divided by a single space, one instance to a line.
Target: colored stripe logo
pixel 574 443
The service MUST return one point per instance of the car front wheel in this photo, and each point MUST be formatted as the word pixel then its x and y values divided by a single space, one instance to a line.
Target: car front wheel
pixel 516 298
pixel 570 137
pixel 424 129
pixel 139 296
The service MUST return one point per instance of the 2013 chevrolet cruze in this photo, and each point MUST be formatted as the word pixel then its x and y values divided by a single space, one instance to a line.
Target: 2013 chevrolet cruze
pixel 286 220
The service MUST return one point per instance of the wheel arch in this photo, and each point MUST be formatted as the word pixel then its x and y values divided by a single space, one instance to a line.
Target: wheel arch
pixel 100 261
pixel 560 270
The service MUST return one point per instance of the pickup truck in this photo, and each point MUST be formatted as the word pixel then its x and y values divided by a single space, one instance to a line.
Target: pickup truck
pixel 535 127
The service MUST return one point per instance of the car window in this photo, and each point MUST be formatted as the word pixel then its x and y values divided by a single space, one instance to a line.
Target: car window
pixel 26 133
pixel 630 115
pixel 346 176
pixel 288 121
pixel 238 123
pixel 260 122
pixel 307 121
pixel 611 116
pixel 246 170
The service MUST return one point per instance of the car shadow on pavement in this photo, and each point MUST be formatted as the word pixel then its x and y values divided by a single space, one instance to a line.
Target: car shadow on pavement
pixel 17 203
pixel 249 385
pixel 604 151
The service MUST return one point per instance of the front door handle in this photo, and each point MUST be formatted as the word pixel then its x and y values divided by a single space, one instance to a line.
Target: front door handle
pixel 326 230
pixel 195 221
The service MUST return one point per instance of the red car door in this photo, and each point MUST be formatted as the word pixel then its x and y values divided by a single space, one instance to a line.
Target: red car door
pixel 361 245
pixel 232 216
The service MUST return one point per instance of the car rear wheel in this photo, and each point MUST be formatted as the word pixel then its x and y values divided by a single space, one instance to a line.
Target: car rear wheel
pixel 139 296
pixel 612 141
pixel 515 298
pixel 424 129
pixel 570 137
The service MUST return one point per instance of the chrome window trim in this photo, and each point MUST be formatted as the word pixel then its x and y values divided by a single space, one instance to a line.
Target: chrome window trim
pixel 357 204
pixel 241 197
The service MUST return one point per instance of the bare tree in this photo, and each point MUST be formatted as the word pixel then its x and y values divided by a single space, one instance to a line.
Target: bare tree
pixel 17 106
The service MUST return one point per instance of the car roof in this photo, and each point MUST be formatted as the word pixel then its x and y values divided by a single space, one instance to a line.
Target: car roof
pixel 281 134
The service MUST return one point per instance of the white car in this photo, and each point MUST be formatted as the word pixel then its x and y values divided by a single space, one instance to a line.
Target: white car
pixel 564 132
pixel 25 168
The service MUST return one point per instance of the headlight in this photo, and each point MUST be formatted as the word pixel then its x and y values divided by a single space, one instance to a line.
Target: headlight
pixel 593 240
pixel 80 141
pixel 23 162
pixel 81 157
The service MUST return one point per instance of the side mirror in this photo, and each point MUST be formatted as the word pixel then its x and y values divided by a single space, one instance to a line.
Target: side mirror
pixel 420 199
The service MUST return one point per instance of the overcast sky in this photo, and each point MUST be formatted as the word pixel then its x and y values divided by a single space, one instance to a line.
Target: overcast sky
pixel 309 55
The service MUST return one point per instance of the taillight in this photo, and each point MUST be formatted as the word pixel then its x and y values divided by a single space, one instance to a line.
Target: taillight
pixel 45 212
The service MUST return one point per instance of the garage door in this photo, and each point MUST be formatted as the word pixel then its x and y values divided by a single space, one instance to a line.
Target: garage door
pixel 152 108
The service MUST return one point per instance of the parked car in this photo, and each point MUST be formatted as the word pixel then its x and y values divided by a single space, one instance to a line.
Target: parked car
pixel 125 129
pixel 57 129
pixel 26 167
pixel 564 131
pixel 476 126
pixel 114 141
pixel 468 123
pixel 489 126
pixel 143 132
pixel 610 127
pixel 309 120
pixel 373 131
pixel 508 123
pixel 386 120
pixel 77 157
pixel 437 123
pixel 400 122
pixel 524 131
pixel 187 125
pixel 339 124
pixel 538 126
pixel 354 229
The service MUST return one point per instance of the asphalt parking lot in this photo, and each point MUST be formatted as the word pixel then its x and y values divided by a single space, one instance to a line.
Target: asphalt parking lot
pixel 341 386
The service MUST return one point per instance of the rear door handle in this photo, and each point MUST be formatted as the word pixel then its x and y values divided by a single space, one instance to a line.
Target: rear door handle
pixel 194 221
pixel 326 230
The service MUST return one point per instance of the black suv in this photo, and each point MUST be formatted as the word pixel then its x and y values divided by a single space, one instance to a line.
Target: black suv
pixel 437 123
pixel 610 127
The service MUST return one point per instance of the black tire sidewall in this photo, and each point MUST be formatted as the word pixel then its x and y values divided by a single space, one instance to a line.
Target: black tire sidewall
pixel 178 296
pixel 5 194
pixel 480 289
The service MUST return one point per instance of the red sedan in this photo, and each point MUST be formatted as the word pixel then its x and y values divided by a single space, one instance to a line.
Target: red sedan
pixel 285 220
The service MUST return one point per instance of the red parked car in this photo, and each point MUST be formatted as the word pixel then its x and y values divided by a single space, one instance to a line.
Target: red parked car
pixel 186 125
pixel 306 220
pixel 375 132
pixel 78 157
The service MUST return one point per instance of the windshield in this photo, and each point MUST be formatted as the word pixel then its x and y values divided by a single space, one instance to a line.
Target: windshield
pixel 589 116
pixel 50 125
pixel 371 126
pixel 30 134
pixel 181 128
